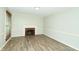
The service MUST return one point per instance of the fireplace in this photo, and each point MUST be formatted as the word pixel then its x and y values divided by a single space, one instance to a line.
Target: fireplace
pixel 29 31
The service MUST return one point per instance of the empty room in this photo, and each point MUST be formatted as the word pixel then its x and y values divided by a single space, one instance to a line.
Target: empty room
pixel 39 28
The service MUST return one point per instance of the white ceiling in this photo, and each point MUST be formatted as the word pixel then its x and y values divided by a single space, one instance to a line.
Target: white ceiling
pixel 43 11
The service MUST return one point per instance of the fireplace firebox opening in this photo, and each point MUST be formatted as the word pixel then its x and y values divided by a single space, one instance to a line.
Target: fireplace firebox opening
pixel 29 31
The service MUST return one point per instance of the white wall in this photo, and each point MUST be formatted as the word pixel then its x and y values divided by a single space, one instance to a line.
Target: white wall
pixel 64 27
pixel 2 26
pixel 20 21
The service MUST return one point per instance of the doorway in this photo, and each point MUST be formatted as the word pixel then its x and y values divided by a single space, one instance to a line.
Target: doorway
pixel 8 25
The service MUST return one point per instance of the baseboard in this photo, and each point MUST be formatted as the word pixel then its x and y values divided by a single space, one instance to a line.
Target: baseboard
pixel 46 35
pixel 5 43
pixel 24 35
pixel 62 42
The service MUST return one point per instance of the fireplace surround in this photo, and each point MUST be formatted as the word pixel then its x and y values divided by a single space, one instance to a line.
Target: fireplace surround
pixel 29 31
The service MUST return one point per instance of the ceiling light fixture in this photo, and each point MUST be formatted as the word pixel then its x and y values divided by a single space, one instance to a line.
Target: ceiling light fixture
pixel 37 8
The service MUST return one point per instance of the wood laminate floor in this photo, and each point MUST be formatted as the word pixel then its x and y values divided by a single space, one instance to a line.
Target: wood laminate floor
pixel 35 43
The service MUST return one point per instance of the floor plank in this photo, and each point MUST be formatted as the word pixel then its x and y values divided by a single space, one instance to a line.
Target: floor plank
pixel 35 43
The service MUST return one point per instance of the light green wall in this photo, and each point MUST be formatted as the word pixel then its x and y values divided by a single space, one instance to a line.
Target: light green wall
pixel 64 27
pixel 2 26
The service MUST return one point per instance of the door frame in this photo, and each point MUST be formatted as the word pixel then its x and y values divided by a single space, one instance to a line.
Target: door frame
pixel 9 34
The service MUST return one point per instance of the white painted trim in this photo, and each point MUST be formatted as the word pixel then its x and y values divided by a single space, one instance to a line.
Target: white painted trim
pixel 62 42
pixel 70 34
pixel 67 33
pixel 46 35
pixel 5 43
